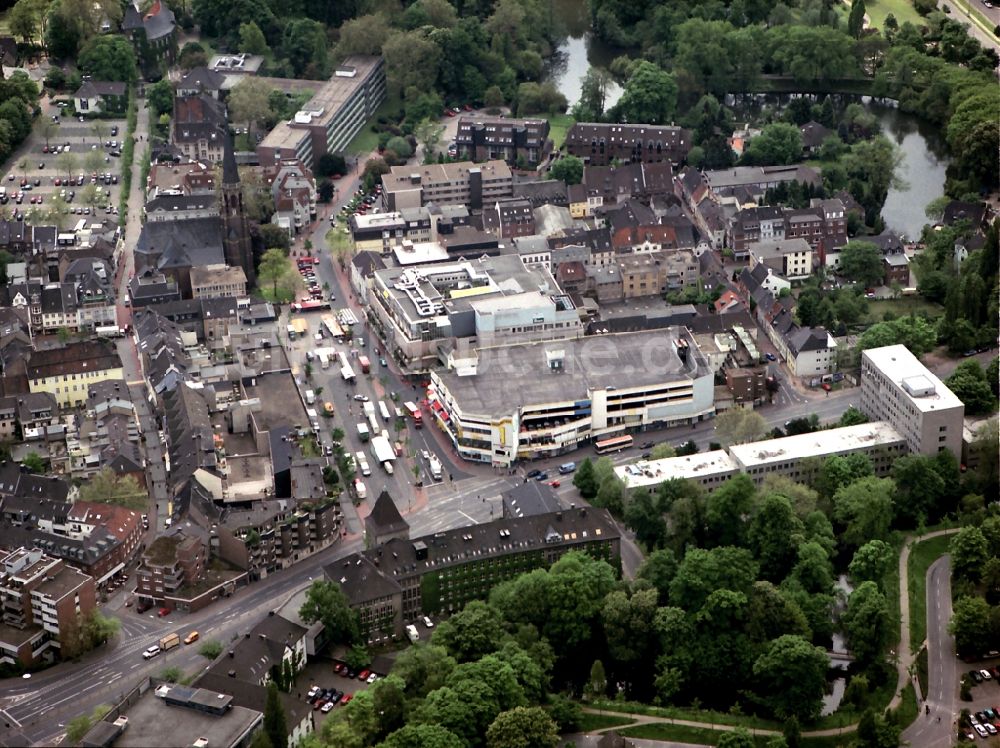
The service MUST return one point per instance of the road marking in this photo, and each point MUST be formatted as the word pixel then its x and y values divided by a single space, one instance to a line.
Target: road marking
pixel 10 717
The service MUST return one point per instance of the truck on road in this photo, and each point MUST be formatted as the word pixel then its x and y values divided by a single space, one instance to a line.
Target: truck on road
pixel 360 489
pixel 435 466
pixel 324 359
pixel 363 464
pixel 383 452
pixel 109 331
pixel 415 414
pixel 169 642
pixel 365 364
pixel 363 432
pixel 412 634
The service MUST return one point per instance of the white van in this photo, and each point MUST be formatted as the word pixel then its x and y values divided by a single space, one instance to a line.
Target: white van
pixel 310 397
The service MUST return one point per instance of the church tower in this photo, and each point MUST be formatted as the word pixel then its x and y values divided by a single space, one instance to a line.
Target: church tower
pixel 236 241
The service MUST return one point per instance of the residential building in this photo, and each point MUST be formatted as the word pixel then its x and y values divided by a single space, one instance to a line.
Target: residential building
pixel 166 252
pixel 192 178
pixel 68 372
pixel 789 258
pixel 218 281
pixel 538 400
pixel 390 586
pixel 508 219
pixel 293 191
pixel 529 499
pixel 761 224
pixel 153 35
pixel 757 180
pixel 198 127
pixel 600 143
pixel 513 140
pixel 201 80
pixel 897 388
pixel 43 599
pixel 813 135
pixel 171 563
pixel 460 183
pixel 181 207
pixel 381 232
pixel 656 273
pixel 896 269
pixel 332 117
pixel 609 186
pixel 797 457
pixel 808 351
pixel 30 412
pixel 100 97
pixel 424 311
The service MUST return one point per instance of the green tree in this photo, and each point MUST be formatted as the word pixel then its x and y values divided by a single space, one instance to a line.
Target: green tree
pixel 364 35
pixel 568 169
pixel 852 417
pixel 400 147
pixel 866 623
pixel 778 144
pixel 585 480
pixel 304 44
pixel 108 487
pixel 210 649
pixel 274 718
pixel 840 471
pixel 78 727
pixel 920 489
pixel 428 133
pixel 422 736
pixel 861 261
pixel 737 426
pixel 774 536
pixel 728 509
pixel 273 268
pixel 252 39
pixel 629 627
pixel 108 58
pixel 644 516
pixel 969 551
pixel 23 20
pixel 327 604
pixel 856 20
pixel 865 509
pixel 33 463
pixel 662 451
pixel 970 625
pixel 649 95
pixel 597 684
pixel 522 727
pixel 658 570
pixel 249 101
pixel 791 677
pixel 703 571
pixel 871 562
pixel 160 97
pixel 593 95
pixel 969 384
pixel 738 738
pixel 472 633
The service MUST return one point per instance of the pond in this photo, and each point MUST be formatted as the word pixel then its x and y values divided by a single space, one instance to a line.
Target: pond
pixel 578 51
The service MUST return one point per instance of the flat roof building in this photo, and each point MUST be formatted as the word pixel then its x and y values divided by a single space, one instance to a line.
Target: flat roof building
pixel 332 117
pixel 897 388
pixel 462 183
pixel 537 400
pixel 708 469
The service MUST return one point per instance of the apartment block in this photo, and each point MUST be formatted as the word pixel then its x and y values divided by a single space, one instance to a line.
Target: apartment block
pixel 69 371
pixel 789 258
pixel 42 598
pixel 897 388
pixel 512 140
pixel 218 282
pixel 171 562
pixel 461 183
pixel 600 144
pixel 332 117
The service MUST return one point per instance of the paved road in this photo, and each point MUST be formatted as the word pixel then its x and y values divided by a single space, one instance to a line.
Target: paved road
pixel 942 665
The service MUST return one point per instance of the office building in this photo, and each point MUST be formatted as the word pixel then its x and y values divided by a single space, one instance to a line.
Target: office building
pixel 328 122
pixel 538 400
pixel 796 457
pixel 425 311
pixel 897 388
pixel 461 183
pixel 218 281
pixel 402 579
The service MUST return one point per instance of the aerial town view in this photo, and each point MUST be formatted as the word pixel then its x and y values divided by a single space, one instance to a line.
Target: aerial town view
pixel 499 373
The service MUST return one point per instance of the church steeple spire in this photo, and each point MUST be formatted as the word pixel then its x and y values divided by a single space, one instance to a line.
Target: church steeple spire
pixel 236 240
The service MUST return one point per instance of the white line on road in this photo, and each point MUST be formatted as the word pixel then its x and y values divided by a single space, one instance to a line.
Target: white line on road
pixel 10 717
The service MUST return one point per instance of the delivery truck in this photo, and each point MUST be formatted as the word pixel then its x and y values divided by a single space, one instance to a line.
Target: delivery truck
pixel 363 433
pixel 415 414
pixel 362 464
pixel 365 364
pixel 169 642
pixel 383 452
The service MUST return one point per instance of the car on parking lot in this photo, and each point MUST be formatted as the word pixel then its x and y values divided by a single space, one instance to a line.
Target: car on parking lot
pixel 986 674
pixel 346 698
pixel 363 675
pixel 319 703
pixel 427 622
pixel 314 692
pixel 981 731
pixel 976 677
pixel 348 673
pixel 372 678
pixel 163 612
pixel 990 728
pixel 328 706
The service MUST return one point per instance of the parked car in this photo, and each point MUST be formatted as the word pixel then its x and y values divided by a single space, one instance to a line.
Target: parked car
pixel 986 674
pixel 346 698
pixel 976 677
pixel 164 612
pixel 363 675
pixel 328 706
pixel 428 622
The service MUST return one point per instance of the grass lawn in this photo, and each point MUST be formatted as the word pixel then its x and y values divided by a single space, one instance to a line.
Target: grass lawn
pixel 922 555
pixel 559 124
pixel 907 711
pixel 366 140
pixel 695 715
pixel 4 28
pixel 592 722
pixel 901 307
pixel 901 9
pixel 922 668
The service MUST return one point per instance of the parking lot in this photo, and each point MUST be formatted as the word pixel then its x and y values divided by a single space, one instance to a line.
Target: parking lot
pixel 327 685
pixel 984 709
pixel 79 161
